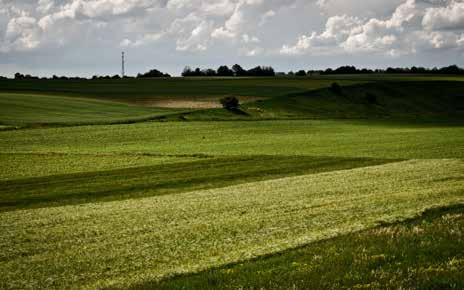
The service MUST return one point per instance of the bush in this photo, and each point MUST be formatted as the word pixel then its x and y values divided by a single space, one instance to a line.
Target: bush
pixel 336 88
pixel 230 103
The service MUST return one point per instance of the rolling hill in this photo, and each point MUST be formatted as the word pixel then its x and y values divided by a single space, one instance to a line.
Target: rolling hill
pixel 38 110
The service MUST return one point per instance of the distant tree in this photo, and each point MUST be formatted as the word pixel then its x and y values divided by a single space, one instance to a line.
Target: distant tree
pixel 300 73
pixel 225 71
pixel 209 72
pixel 313 72
pixel 452 69
pixel 187 72
pixel 154 73
pixel 18 76
pixel 239 71
pixel 268 71
pixel 230 103
pixel 261 71
pixel 197 72
pixel 366 71
pixel 328 71
pixel 346 70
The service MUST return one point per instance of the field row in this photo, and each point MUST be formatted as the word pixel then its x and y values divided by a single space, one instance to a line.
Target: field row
pixel 134 241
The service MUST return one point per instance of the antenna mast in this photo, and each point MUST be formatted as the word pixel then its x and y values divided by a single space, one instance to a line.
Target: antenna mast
pixel 123 65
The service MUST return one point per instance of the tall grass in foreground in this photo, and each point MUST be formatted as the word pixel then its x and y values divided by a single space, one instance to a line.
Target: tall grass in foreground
pixel 424 253
pixel 133 241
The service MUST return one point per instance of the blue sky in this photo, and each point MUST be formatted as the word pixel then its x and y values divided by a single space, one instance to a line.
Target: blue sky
pixel 86 37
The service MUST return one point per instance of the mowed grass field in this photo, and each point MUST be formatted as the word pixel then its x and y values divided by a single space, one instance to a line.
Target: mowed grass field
pixel 304 201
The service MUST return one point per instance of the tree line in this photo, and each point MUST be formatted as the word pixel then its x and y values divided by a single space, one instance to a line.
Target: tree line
pixel 262 71
pixel 449 70
pixel 225 71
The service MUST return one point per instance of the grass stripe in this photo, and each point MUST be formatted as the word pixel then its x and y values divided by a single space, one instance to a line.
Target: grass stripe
pixel 143 181
pixel 29 165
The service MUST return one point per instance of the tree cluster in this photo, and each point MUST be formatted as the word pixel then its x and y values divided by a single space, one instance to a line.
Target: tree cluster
pixel 107 77
pixel 225 71
pixel 154 73
pixel 19 76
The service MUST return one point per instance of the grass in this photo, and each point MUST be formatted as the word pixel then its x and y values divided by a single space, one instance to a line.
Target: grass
pixel 337 138
pixel 24 166
pixel 128 242
pixel 394 100
pixel 118 184
pixel 32 109
pixel 4 127
pixel 422 253
pixel 236 203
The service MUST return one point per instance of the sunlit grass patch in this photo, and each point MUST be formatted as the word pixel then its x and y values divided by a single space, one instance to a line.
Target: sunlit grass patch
pixel 423 253
pixel 27 165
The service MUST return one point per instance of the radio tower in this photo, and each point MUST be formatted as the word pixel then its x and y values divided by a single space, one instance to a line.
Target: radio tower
pixel 122 65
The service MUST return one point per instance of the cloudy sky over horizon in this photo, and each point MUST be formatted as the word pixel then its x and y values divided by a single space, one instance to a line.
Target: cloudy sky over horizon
pixel 86 37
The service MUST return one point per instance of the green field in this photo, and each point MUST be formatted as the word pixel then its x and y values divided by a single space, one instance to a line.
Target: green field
pixel 99 189
pixel 339 138
pixel 33 109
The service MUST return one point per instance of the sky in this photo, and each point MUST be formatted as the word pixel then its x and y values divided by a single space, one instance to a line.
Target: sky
pixel 86 37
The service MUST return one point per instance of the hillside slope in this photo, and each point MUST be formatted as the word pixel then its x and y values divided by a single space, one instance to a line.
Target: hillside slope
pixel 385 100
